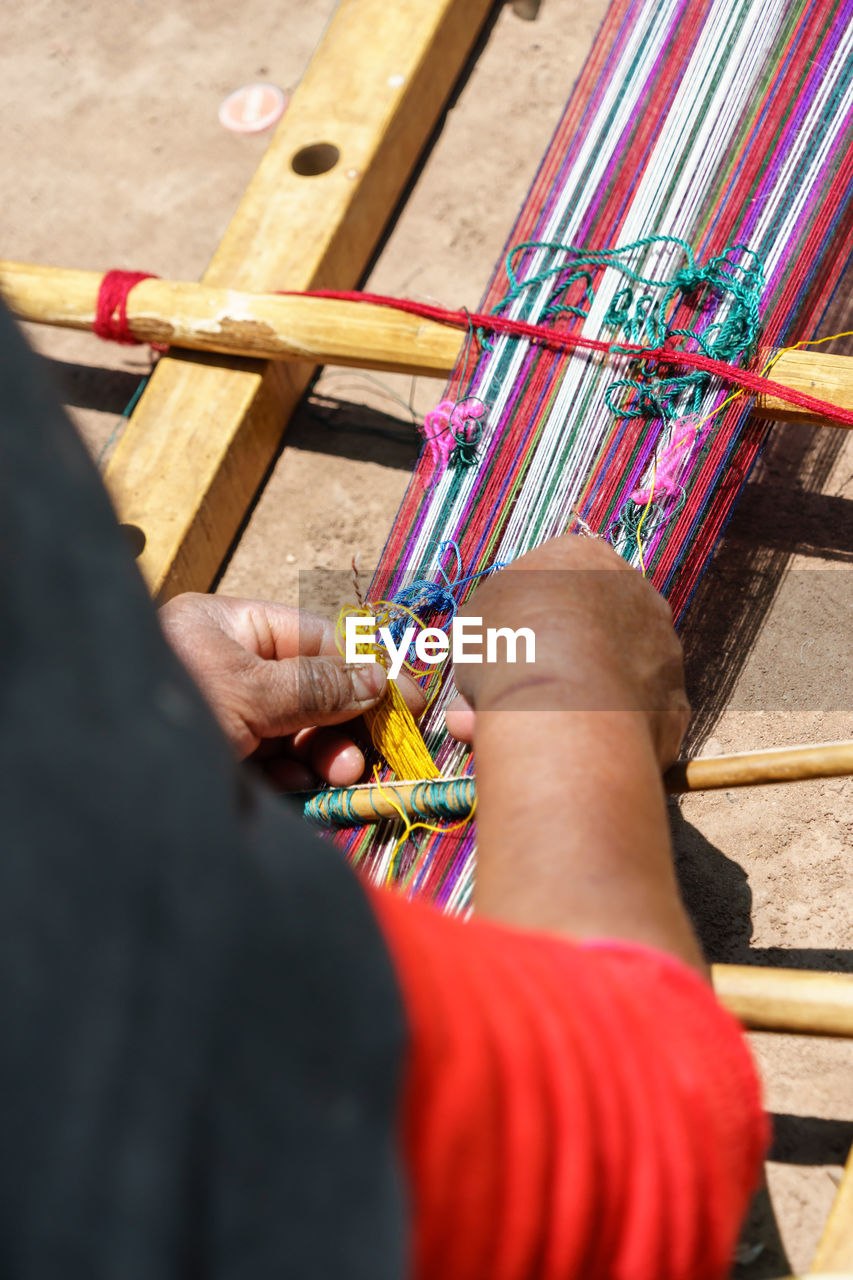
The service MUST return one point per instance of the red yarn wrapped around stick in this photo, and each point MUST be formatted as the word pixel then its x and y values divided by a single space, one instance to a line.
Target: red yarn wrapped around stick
pixel 111 307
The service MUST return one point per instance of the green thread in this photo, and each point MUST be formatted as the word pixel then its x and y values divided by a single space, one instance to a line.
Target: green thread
pixel 125 414
pixel 641 312
pixel 442 800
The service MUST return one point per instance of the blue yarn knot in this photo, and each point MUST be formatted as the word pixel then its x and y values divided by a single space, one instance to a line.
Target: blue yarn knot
pixel 429 601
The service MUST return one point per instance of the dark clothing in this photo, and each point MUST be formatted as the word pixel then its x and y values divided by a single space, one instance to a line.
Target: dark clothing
pixel 202 1035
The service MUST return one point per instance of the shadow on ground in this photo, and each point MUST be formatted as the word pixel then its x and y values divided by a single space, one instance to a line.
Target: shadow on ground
pixel 716 893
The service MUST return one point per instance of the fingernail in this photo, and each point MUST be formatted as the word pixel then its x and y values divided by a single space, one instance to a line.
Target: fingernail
pixel 367 679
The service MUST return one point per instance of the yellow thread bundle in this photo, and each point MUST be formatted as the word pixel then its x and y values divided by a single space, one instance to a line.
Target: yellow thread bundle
pixel 398 739
pixel 391 724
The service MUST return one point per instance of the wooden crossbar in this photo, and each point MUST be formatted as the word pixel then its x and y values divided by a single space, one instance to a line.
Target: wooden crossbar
pixel 324 331
pixel 392 799
pixel 797 1001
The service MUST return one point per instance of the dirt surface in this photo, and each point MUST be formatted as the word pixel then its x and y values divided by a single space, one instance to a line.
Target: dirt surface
pixel 113 156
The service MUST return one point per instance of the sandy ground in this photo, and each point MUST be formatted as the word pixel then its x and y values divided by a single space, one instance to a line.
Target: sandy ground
pixel 112 155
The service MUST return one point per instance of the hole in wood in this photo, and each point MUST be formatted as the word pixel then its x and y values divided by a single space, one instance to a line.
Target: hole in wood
pixel 135 538
pixel 317 158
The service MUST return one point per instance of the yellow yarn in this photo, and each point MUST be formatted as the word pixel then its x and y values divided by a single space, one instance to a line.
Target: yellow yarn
pixel 409 827
pixel 391 724
pixel 397 738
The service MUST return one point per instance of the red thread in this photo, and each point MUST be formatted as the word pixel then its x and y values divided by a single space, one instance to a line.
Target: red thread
pixel 746 379
pixel 111 323
pixel 111 308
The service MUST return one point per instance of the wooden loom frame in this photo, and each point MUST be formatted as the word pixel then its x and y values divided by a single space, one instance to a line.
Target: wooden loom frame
pixel 207 427
pixel 205 430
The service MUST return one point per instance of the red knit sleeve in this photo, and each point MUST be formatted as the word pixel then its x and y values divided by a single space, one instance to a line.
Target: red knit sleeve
pixel 569 1110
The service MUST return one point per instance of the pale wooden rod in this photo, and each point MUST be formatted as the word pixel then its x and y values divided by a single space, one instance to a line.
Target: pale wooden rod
pixel 264 326
pixel 371 802
pixel 795 1001
pixel 323 331
pixel 759 768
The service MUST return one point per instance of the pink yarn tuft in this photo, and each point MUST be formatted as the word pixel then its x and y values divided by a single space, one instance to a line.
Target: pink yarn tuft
pixel 670 464
pixel 443 427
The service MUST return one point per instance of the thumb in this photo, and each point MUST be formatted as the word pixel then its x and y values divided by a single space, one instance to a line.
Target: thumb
pixel 299 693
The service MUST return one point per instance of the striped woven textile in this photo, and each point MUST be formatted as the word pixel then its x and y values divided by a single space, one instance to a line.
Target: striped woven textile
pixel 721 123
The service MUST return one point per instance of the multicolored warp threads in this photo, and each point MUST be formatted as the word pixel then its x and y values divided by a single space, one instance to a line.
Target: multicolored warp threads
pixel 714 123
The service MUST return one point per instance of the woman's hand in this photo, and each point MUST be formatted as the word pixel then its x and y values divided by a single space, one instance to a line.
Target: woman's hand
pixel 277 685
pixel 604 642
pixel 572 828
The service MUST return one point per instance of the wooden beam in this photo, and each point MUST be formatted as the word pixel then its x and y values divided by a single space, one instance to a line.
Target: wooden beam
pixel 416 798
pixel 257 325
pixel 825 376
pixel 206 428
pixel 229 322
pixel 800 1001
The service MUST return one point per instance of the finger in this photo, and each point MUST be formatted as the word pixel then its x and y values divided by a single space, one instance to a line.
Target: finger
pixel 278 631
pixel 299 746
pixel 413 694
pixel 459 718
pixel 295 631
pixel 309 756
pixel 298 693
pixel 336 758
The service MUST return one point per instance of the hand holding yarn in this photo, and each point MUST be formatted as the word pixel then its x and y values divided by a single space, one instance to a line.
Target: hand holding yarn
pixel 277 685
pixel 604 642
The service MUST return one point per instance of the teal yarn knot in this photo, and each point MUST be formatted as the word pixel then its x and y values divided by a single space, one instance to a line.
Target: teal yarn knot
pixel 648 311
pixel 688 279
pixel 641 312
pixel 466 427
pixel 464 454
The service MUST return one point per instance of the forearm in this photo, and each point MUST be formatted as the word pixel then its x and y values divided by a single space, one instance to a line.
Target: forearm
pixel 573 833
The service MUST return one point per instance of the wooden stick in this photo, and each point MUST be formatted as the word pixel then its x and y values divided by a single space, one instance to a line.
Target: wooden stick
pixel 826 376
pixel 759 768
pixel 835 1252
pixel 799 1001
pixel 258 325
pixel 372 802
pixel 323 331
pixel 206 428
